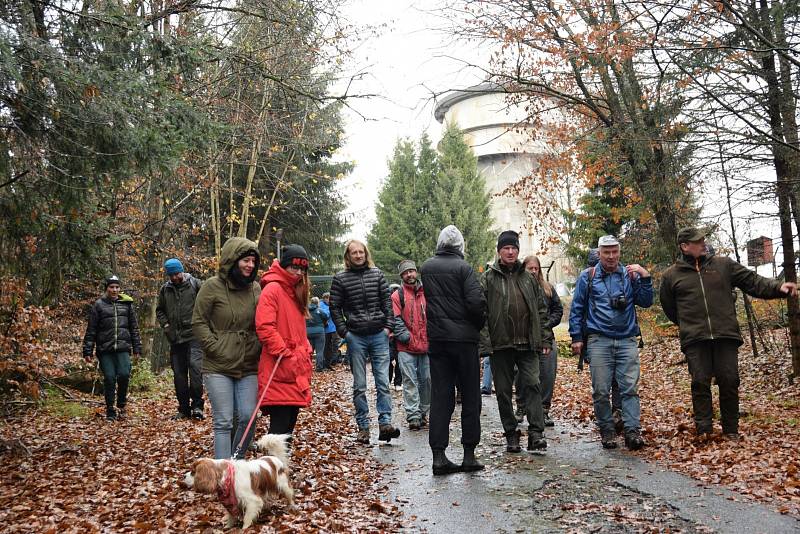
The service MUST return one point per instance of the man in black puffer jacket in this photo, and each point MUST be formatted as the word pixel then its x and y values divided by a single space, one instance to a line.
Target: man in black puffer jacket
pixel 362 312
pixel 456 313
pixel 114 332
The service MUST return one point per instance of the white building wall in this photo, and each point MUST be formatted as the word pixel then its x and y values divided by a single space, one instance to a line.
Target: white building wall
pixel 499 136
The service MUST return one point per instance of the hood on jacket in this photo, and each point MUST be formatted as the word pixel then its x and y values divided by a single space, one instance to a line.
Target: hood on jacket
pixel 187 278
pixel 123 297
pixel 450 238
pixel 233 249
pixel 280 275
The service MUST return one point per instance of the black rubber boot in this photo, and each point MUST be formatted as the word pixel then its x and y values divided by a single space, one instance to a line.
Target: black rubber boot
pixel 536 443
pixel 512 441
pixel 469 463
pixel 442 465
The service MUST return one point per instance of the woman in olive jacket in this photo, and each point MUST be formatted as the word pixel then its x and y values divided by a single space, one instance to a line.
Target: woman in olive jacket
pixel 224 323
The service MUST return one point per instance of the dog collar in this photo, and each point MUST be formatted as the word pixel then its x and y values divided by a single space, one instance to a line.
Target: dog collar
pixel 227 493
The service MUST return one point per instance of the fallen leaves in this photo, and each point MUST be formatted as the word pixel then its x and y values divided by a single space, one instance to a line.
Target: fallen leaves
pixel 763 465
pixel 87 475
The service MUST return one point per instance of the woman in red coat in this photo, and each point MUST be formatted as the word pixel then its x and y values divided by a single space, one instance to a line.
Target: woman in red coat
pixel 281 327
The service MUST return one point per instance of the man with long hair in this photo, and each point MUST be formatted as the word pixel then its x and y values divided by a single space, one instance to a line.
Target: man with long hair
pixel 362 311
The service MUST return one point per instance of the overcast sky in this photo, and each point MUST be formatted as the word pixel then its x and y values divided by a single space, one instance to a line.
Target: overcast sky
pixel 407 62
pixel 408 59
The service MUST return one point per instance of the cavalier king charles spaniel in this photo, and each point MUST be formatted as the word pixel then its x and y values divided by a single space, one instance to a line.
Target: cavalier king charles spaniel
pixel 244 486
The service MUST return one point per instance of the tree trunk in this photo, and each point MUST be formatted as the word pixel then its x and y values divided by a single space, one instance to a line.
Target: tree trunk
pixel 785 189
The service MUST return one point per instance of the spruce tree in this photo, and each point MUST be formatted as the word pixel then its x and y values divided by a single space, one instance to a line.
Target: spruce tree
pixel 425 192
pixel 461 197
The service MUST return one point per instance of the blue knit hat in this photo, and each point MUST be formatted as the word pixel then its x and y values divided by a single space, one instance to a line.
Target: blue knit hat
pixel 173 266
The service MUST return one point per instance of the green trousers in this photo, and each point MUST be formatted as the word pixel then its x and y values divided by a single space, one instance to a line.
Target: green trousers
pixel 527 363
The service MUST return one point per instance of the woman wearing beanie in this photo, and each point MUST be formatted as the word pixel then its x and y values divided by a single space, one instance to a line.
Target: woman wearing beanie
pixel 223 323
pixel 281 327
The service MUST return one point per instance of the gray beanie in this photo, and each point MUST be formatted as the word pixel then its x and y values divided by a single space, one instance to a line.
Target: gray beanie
pixel 405 265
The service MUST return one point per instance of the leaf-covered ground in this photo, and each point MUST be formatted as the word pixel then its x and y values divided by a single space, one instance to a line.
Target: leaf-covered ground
pixel 81 474
pixel 763 466
pixel 88 475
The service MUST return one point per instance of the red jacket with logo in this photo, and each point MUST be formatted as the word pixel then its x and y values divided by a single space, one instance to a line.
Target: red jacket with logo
pixel 412 311
pixel 281 328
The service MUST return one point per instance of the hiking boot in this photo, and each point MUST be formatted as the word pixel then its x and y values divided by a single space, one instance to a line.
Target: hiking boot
pixel 512 441
pixel 111 414
pixel 179 416
pixel 609 439
pixel 470 463
pixel 122 414
pixel 732 436
pixel 619 424
pixel 520 414
pixel 363 436
pixel 547 420
pixel 414 424
pixel 486 392
pixel 633 440
pixel 442 465
pixel 197 413
pixel 387 432
pixel 536 444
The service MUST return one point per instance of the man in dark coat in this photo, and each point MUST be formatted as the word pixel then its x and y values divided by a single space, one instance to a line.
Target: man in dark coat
pixel 515 336
pixel 362 311
pixel 697 295
pixel 456 314
pixel 174 313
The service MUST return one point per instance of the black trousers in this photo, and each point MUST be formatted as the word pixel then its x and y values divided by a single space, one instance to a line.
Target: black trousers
pixel 454 363
pixel 715 358
pixel 281 418
pixel 331 348
pixel 187 363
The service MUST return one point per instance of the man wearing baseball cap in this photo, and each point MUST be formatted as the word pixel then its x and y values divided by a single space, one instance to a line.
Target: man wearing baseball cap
pixel 696 295
pixel 603 316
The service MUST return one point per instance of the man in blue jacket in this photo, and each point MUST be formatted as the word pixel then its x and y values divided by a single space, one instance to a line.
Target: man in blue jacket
pixel 603 314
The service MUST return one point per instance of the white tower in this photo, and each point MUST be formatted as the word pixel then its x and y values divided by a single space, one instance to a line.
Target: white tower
pixel 499 135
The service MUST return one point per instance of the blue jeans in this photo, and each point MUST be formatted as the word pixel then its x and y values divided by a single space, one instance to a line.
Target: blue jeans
pixel 233 401
pixel 318 342
pixel 486 384
pixel 614 358
pixel 373 347
pixel 116 368
pixel 416 369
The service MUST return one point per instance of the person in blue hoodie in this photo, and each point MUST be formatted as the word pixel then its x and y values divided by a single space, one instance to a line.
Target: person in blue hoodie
pixel 315 330
pixel 331 339
pixel 606 296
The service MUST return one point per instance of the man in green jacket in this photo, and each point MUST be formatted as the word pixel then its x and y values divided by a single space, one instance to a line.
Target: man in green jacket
pixel 174 313
pixel 514 336
pixel 697 295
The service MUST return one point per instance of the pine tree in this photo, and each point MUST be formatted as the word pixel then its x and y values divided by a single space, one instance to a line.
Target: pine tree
pixel 425 192
pixel 460 193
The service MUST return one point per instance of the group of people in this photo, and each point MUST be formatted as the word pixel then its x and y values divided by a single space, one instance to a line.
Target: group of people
pixel 249 342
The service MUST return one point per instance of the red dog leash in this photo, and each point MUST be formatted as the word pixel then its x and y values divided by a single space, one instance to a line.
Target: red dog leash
pixel 258 405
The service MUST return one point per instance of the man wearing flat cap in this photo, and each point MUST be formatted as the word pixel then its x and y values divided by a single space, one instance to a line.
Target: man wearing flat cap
pixel 696 294
pixel 603 314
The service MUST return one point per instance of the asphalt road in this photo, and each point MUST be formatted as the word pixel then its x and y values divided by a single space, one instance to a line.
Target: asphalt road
pixel 575 485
